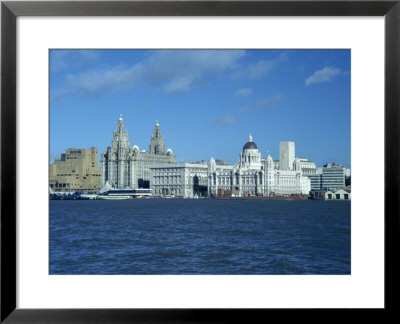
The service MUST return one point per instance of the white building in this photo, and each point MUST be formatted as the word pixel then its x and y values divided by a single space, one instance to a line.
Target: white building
pixel 179 179
pixel 251 176
pixel 124 166
pixel 286 155
pixel 307 167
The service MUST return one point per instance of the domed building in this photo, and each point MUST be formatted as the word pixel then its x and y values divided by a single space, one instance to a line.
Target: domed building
pixel 250 157
pixel 255 176
pixel 252 176
pixel 242 179
pixel 124 166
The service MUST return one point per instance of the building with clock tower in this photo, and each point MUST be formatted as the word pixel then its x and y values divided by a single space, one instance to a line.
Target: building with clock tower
pixel 125 166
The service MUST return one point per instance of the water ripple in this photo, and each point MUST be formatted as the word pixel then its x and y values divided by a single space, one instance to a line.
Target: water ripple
pixel 199 237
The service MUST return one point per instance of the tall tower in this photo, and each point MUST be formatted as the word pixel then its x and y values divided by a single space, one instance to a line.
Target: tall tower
pixel 157 145
pixel 114 160
pixel 120 142
pixel 286 155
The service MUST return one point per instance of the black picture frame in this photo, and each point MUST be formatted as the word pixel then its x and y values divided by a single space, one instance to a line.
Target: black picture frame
pixel 10 10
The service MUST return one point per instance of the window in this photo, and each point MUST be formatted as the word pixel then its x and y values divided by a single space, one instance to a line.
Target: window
pixel 346 196
pixel 337 196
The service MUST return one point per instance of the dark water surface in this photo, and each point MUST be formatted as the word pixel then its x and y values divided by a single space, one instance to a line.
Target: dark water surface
pixel 204 236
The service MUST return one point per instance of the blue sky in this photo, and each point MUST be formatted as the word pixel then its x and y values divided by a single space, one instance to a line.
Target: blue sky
pixel 206 101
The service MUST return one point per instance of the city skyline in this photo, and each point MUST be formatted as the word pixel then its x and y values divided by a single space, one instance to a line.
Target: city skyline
pixel 206 101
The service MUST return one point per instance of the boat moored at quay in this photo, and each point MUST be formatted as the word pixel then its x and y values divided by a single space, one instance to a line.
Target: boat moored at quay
pixel 107 193
pixel 126 193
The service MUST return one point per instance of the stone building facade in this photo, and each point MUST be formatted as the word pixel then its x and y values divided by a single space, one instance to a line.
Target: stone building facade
pixel 75 170
pixel 179 179
pixel 251 176
pixel 254 176
pixel 125 166
pixel 286 155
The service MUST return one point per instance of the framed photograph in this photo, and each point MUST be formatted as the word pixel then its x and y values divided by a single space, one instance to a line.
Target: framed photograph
pixel 191 161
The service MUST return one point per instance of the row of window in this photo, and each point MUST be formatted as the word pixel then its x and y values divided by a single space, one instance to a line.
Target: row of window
pixel 76 175
pixel 228 181
pixel 251 159
pixel 168 191
pixel 156 173
pixel 167 179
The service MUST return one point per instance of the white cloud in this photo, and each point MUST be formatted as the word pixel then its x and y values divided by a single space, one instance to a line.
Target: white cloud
pixel 103 80
pixel 260 68
pixel 183 69
pixel 324 75
pixel 67 59
pixel 226 121
pixel 243 92
pixel 270 101
pixel 172 70
pixel 179 84
pixel 242 109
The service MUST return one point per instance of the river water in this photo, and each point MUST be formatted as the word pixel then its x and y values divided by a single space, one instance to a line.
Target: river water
pixel 203 236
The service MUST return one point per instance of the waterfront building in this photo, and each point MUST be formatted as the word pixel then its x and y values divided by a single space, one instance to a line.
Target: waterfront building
pixel 316 181
pixel 286 155
pixel 179 179
pixel 329 177
pixel 75 170
pixel 347 177
pixel 254 176
pixel 125 166
pixel 338 195
pixel 333 176
pixel 251 176
pixel 307 167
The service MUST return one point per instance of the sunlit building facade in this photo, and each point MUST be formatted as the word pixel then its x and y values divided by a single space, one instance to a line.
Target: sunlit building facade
pixel 252 176
pixel 75 170
pixel 125 166
pixel 255 176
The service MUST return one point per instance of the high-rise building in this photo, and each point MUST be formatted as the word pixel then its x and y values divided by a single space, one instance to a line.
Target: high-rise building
pixel 76 170
pixel 316 180
pixel 329 177
pixel 286 155
pixel 333 176
pixel 124 166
